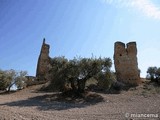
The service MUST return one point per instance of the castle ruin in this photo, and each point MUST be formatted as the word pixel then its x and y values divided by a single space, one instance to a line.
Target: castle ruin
pixel 125 61
pixel 43 62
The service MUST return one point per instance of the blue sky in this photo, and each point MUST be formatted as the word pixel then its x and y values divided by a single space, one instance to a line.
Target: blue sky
pixel 77 28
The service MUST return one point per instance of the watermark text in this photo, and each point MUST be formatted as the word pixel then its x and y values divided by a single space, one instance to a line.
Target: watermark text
pixel 140 115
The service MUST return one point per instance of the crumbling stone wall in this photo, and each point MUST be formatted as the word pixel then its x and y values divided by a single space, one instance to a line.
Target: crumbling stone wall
pixel 43 62
pixel 125 61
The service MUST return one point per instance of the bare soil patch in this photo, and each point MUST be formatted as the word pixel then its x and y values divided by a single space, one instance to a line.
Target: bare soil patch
pixel 30 104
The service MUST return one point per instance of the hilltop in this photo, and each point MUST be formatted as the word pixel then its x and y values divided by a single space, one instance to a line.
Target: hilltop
pixel 30 103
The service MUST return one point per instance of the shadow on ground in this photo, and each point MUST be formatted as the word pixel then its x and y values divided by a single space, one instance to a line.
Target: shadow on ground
pixel 52 102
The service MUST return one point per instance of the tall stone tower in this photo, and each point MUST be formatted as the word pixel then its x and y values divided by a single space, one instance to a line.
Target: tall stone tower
pixel 125 61
pixel 43 62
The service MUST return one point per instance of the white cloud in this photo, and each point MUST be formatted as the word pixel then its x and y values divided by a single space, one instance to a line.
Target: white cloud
pixel 147 7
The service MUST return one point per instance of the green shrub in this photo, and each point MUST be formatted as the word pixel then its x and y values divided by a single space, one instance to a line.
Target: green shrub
pixel 105 80
pixel 153 74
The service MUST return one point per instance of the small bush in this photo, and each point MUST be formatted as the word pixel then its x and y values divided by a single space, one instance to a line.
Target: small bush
pixel 105 80
pixel 153 74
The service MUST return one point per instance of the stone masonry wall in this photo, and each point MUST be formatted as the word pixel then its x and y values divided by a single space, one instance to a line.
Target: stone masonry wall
pixel 43 62
pixel 125 61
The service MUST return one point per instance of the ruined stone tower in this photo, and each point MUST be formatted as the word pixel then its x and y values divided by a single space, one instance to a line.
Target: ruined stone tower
pixel 43 62
pixel 125 61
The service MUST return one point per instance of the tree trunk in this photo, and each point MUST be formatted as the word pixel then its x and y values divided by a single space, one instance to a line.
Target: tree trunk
pixel 72 84
pixel 9 89
pixel 81 85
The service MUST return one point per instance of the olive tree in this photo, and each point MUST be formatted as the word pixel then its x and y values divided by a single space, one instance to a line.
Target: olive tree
pixel 21 80
pixel 74 73
pixel 8 78
pixel 153 73
pixel 3 80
